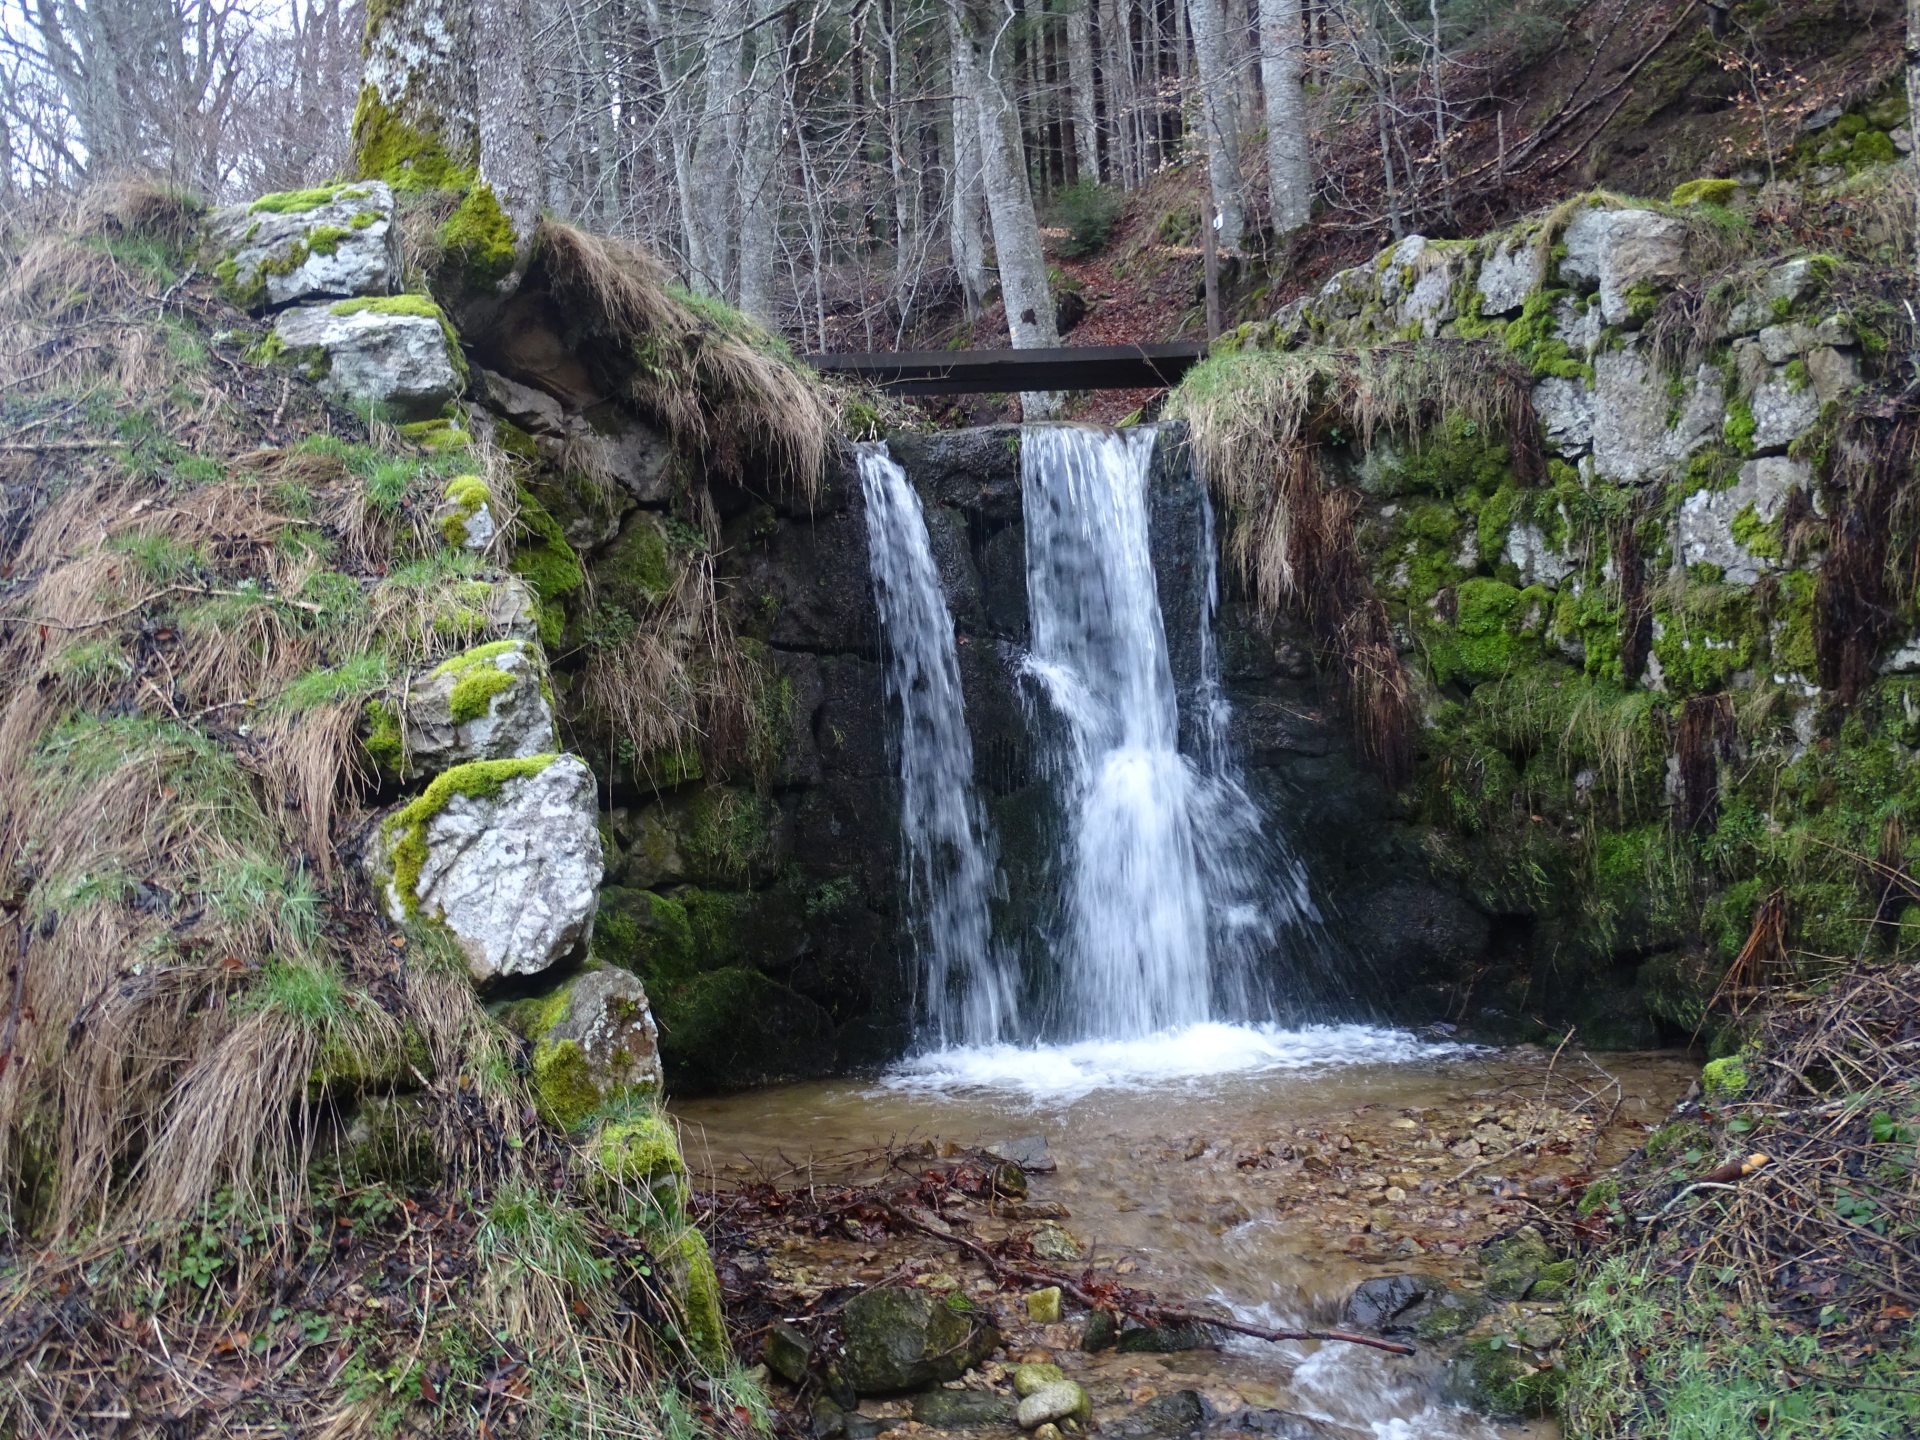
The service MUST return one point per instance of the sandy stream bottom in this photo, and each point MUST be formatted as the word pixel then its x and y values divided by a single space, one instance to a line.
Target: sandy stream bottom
pixel 1265 1170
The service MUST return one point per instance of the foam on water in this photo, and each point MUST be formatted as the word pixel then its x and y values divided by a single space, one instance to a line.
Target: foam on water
pixel 1359 1390
pixel 1194 1054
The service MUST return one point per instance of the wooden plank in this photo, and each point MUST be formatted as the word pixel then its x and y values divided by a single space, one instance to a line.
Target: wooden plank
pixel 975 372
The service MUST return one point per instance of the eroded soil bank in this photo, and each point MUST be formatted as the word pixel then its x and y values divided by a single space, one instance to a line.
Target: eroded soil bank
pixel 1267 1197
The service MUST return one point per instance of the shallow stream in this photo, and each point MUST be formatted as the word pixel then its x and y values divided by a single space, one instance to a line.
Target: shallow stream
pixel 1265 1170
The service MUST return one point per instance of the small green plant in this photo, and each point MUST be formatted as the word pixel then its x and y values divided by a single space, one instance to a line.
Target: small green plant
pixel 1089 211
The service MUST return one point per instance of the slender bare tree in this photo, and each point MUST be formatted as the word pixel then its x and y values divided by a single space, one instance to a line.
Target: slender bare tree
pixel 1289 151
pixel 1219 131
pixel 980 62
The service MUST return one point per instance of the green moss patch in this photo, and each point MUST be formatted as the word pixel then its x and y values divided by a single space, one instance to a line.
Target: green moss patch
pixel 478 238
pixel 405 831
pixel 298 202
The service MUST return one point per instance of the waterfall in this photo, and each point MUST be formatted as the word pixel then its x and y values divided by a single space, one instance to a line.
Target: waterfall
pixel 1171 894
pixel 947 861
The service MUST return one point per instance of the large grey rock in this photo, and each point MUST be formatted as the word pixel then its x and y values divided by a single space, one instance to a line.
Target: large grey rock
pixel 505 854
pixel 511 608
pixel 1784 409
pixel 896 1338
pixel 1637 436
pixel 1831 372
pixel 618 445
pixel 1515 269
pixel 1578 324
pixel 534 411
pixel 1565 408
pixel 1428 296
pixel 1391 1304
pixel 343 245
pixel 388 355
pixel 1528 549
pixel 1707 517
pixel 1781 343
pixel 489 703
pixel 594 1041
pixel 1621 249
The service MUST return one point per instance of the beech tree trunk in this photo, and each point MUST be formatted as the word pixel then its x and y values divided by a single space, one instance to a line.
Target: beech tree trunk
pixel 966 234
pixel 418 95
pixel 1289 157
pixel 1016 230
pixel 1080 80
pixel 760 167
pixel 1220 134
pixel 447 99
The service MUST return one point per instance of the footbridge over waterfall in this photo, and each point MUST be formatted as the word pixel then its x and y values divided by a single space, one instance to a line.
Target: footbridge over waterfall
pixel 979 372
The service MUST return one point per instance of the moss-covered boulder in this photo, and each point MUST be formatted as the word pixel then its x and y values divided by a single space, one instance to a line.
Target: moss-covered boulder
pixel 493 702
pixel 1521 1266
pixel 895 1338
pixel 594 1044
pixel 1511 1365
pixel 505 854
pixel 336 242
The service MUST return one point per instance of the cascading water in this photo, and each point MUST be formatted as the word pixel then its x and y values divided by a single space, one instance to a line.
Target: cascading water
pixel 1171 893
pixel 948 854
pixel 1174 917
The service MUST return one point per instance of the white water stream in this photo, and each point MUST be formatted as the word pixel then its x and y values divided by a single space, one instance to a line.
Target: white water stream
pixel 948 853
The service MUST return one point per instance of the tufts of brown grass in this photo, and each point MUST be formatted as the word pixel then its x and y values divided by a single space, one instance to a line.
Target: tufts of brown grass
pixel 1871 574
pixel 679 682
pixel 1259 421
pixel 725 390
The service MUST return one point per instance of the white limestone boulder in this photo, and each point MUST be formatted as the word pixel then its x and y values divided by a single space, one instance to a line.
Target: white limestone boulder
pixel 335 242
pixel 488 703
pixel 1641 431
pixel 1515 269
pixel 395 352
pixel 1736 529
pixel 504 853
pixel 1619 250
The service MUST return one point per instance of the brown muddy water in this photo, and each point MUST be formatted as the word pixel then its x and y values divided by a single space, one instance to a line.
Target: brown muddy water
pixel 1270 1193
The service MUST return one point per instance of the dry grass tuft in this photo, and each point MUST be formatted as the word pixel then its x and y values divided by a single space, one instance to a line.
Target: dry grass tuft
pixel 1258 421
pixel 725 389
pixel 678 683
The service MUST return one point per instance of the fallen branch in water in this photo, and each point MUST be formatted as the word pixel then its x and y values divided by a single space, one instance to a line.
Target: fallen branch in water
pixel 1148 1308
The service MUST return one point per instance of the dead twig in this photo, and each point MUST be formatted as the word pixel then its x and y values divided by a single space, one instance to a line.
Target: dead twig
pixel 1150 1310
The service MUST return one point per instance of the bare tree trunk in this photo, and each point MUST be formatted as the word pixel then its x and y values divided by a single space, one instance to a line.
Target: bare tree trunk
pixel 760 167
pixel 1016 229
pixel 1913 96
pixel 1116 65
pixel 1215 77
pixel 710 221
pixel 1289 155
pixel 508 116
pixel 1086 120
pixel 965 231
